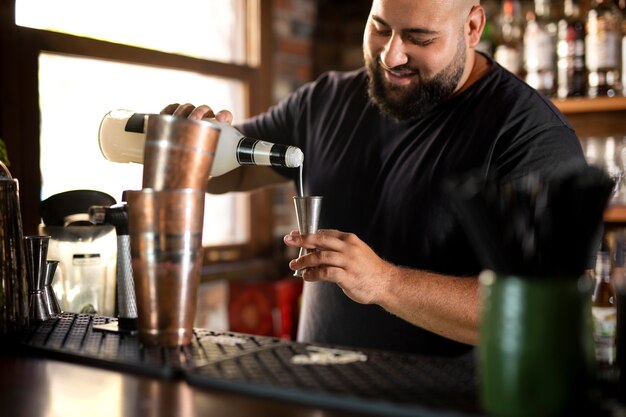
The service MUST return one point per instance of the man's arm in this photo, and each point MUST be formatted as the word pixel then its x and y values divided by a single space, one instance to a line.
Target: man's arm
pixel 446 305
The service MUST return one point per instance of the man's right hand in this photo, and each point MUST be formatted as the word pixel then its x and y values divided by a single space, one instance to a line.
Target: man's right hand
pixel 196 113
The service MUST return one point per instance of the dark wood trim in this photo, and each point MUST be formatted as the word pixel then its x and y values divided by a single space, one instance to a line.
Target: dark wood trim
pixel 590 105
pixel 74 45
pixel 261 93
pixel 19 111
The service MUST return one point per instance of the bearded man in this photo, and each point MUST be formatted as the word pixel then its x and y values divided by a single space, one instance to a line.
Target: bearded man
pixel 393 268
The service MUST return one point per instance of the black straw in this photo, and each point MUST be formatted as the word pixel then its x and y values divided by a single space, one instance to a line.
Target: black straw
pixel 536 225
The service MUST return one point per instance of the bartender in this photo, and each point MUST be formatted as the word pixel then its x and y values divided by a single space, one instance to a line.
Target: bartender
pixel 393 268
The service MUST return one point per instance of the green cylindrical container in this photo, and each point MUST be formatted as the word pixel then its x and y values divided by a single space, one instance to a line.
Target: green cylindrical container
pixel 536 353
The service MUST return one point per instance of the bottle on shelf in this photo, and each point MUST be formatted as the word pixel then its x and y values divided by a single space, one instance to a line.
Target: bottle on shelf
pixel 603 49
pixel 511 30
pixel 122 139
pixel 604 312
pixel 571 73
pixel 540 48
pixel 622 7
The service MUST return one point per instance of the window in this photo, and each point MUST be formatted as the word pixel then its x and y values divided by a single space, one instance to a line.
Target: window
pixel 94 59
pixel 206 29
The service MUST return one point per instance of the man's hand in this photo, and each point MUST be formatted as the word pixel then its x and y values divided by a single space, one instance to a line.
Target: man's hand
pixel 344 259
pixel 197 113
pixel 444 304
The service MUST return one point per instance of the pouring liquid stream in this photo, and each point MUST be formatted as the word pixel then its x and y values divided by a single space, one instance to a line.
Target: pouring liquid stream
pixel 300 187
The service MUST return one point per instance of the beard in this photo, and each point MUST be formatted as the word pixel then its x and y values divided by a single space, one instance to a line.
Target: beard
pixel 418 98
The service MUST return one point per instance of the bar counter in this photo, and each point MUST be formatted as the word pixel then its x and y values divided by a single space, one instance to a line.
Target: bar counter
pixel 37 387
pixel 70 367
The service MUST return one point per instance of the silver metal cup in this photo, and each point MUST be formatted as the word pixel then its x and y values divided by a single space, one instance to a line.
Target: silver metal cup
pixel 308 210
pixel 36 248
pixel 165 229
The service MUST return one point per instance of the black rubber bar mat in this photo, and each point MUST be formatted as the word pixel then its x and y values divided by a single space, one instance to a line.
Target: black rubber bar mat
pixel 373 382
pixel 367 381
pixel 73 337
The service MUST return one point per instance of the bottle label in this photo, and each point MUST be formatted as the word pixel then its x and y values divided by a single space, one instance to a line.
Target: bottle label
pixel 136 123
pixel 538 49
pixel 624 58
pixel 510 58
pixel 257 152
pixel 605 326
pixel 601 50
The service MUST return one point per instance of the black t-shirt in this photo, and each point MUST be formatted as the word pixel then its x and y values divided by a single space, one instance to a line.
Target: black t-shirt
pixel 382 180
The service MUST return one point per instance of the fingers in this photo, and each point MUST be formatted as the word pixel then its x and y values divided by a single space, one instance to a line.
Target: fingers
pixel 333 240
pixel 224 116
pixel 201 112
pixel 190 111
pixel 322 273
pixel 318 258
pixel 170 108
pixel 184 110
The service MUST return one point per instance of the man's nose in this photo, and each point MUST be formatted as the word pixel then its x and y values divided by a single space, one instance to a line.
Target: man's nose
pixel 394 53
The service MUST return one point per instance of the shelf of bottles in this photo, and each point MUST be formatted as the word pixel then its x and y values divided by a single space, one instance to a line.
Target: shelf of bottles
pixel 563 48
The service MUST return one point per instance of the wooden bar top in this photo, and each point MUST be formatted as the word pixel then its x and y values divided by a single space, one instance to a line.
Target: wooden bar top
pixel 68 367
pixel 41 387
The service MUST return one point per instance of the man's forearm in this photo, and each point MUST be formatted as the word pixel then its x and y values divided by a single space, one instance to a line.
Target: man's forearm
pixel 446 305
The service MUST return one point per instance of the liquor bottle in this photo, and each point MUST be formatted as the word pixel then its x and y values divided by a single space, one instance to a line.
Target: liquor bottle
pixel 122 138
pixel 604 312
pixel 602 49
pixel 509 52
pixel 622 7
pixel 540 49
pixel 571 75
pixel 619 286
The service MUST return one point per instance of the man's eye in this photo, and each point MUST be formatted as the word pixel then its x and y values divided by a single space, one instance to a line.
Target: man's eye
pixel 382 31
pixel 420 42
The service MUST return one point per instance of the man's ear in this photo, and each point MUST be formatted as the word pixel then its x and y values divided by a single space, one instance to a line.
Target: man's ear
pixel 474 25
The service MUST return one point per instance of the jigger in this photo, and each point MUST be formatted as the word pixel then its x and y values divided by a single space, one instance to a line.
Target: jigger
pixel 51 301
pixel 36 248
pixel 308 210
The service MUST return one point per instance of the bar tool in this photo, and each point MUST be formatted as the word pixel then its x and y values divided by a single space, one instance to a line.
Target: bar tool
pixel 308 210
pixel 536 334
pixel 86 251
pixel 36 248
pixel 117 215
pixel 166 248
pixel 51 300
pixel 13 286
pixel 178 153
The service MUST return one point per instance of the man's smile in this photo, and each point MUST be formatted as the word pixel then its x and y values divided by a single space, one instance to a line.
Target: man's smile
pixel 398 76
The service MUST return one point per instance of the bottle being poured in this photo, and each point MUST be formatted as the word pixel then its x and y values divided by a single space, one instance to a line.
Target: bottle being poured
pixel 122 139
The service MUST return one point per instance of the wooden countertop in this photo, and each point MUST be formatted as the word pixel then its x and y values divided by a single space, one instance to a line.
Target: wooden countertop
pixel 67 368
pixel 40 387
